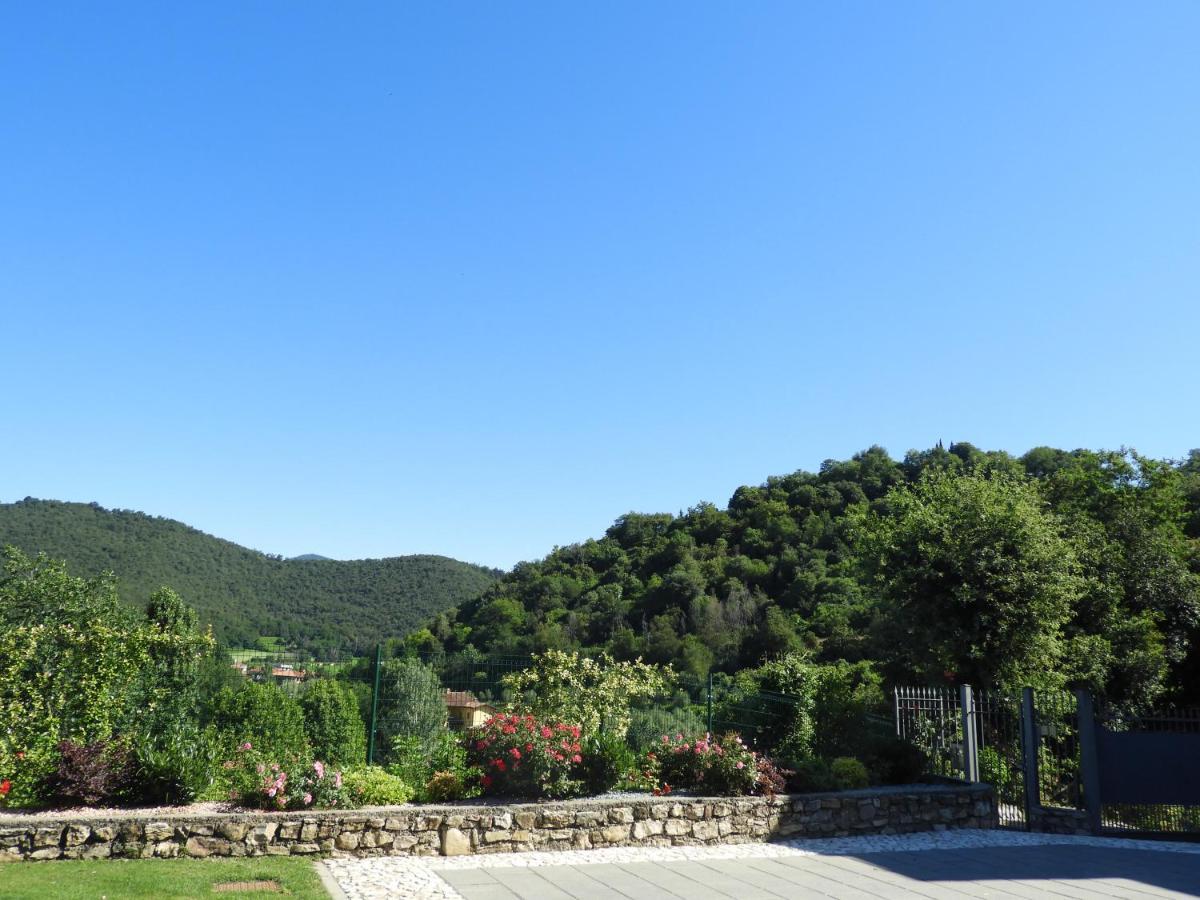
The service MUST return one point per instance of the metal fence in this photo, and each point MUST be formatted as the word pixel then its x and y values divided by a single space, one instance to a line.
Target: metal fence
pixel 472 688
pixel 1152 819
pixel 986 735
pixel 1030 749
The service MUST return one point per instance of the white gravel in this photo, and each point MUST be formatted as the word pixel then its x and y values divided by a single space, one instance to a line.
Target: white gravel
pixel 385 878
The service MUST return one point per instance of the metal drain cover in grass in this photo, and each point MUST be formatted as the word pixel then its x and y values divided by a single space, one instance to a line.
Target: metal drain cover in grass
pixel 246 887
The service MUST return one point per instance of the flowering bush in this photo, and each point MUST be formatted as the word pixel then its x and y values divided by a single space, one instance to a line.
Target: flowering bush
pixel 297 783
pixel 725 767
pixel 597 694
pixel 522 757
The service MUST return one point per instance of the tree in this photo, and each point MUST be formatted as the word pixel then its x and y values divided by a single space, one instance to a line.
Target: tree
pixel 975 576
pixel 412 703
pixel 332 723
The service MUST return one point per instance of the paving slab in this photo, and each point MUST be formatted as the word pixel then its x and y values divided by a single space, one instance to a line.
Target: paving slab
pixel 990 865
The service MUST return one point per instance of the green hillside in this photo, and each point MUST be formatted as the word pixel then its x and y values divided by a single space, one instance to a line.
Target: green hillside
pixel 315 604
pixel 1082 566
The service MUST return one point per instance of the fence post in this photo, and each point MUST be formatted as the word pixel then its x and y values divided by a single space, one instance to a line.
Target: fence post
pixel 374 705
pixel 710 692
pixel 970 743
pixel 896 710
pixel 1029 750
pixel 1089 758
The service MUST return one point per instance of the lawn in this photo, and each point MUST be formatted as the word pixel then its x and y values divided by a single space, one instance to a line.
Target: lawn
pixel 160 879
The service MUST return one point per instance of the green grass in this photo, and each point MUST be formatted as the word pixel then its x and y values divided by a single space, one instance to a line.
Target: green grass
pixel 157 879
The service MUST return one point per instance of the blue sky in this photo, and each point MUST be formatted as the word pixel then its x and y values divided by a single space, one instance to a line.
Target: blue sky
pixel 475 279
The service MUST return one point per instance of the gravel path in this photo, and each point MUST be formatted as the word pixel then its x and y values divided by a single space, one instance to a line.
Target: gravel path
pixel 385 878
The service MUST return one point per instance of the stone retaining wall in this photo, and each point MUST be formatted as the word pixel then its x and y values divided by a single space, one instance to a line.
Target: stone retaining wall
pixel 453 830
pixel 1058 820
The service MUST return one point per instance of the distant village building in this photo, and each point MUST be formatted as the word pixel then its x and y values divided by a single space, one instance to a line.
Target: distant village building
pixel 465 711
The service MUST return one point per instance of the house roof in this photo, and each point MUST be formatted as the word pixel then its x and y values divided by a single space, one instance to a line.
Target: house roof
pixel 465 699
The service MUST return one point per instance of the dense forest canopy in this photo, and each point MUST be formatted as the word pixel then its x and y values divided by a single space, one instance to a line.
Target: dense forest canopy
pixel 314 604
pixel 1057 567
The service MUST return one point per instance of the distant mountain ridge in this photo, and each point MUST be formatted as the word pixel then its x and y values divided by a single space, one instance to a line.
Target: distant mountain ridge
pixel 312 602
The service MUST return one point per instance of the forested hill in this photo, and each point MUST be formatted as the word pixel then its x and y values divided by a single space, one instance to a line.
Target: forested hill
pixel 1087 558
pixel 316 604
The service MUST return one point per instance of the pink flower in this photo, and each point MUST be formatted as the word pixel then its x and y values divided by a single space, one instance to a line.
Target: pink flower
pixel 307 799
pixel 576 758
pixel 246 746
pixel 547 732
pixel 260 768
pixel 514 753
pixel 337 779
pixel 271 792
pixel 319 769
pixel 741 765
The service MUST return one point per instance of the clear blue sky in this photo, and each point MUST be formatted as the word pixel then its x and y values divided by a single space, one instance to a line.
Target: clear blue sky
pixel 475 279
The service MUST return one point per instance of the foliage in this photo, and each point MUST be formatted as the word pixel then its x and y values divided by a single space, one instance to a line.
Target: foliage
pixel 90 774
pixel 608 762
pixel 811 775
pixel 262 714
pixel 597 693
pixel 437 769
pixel 996 771
pixel 976 576
pixel 266 780
pixel 452 784
pixel 412 703
pixel 848 773
pixel 374 786
pixel 76 665
pixel 320 605
pixel 335 729
pixel 176 764
pixel 522 757
pixel 780 568
pixel 892 760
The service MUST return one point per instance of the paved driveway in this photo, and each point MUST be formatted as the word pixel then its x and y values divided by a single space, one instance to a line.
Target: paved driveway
pixel 948 864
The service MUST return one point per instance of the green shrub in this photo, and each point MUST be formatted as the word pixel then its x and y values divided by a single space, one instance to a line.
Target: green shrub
pixel 26 769
pixel 263 715
pixel 335 729
pixel 607 761
pixel 452 785
pixel 375 786
pixel 848 773
pixel 810 775
pixel 177 765
pixel 893 760
pixel 409 760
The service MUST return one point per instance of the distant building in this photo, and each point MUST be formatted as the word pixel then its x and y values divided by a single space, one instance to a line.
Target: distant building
pixel 465 711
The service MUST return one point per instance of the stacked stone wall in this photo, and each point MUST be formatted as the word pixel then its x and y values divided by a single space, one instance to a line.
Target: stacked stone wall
pixel 453 830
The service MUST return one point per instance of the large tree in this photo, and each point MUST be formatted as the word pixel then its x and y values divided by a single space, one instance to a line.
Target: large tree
pixel 975 577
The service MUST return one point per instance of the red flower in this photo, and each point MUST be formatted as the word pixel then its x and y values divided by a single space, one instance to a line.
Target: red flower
pixel 5 787
pixel 514 753
pixel 576 758
pixel 546 732
pixel 486 781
